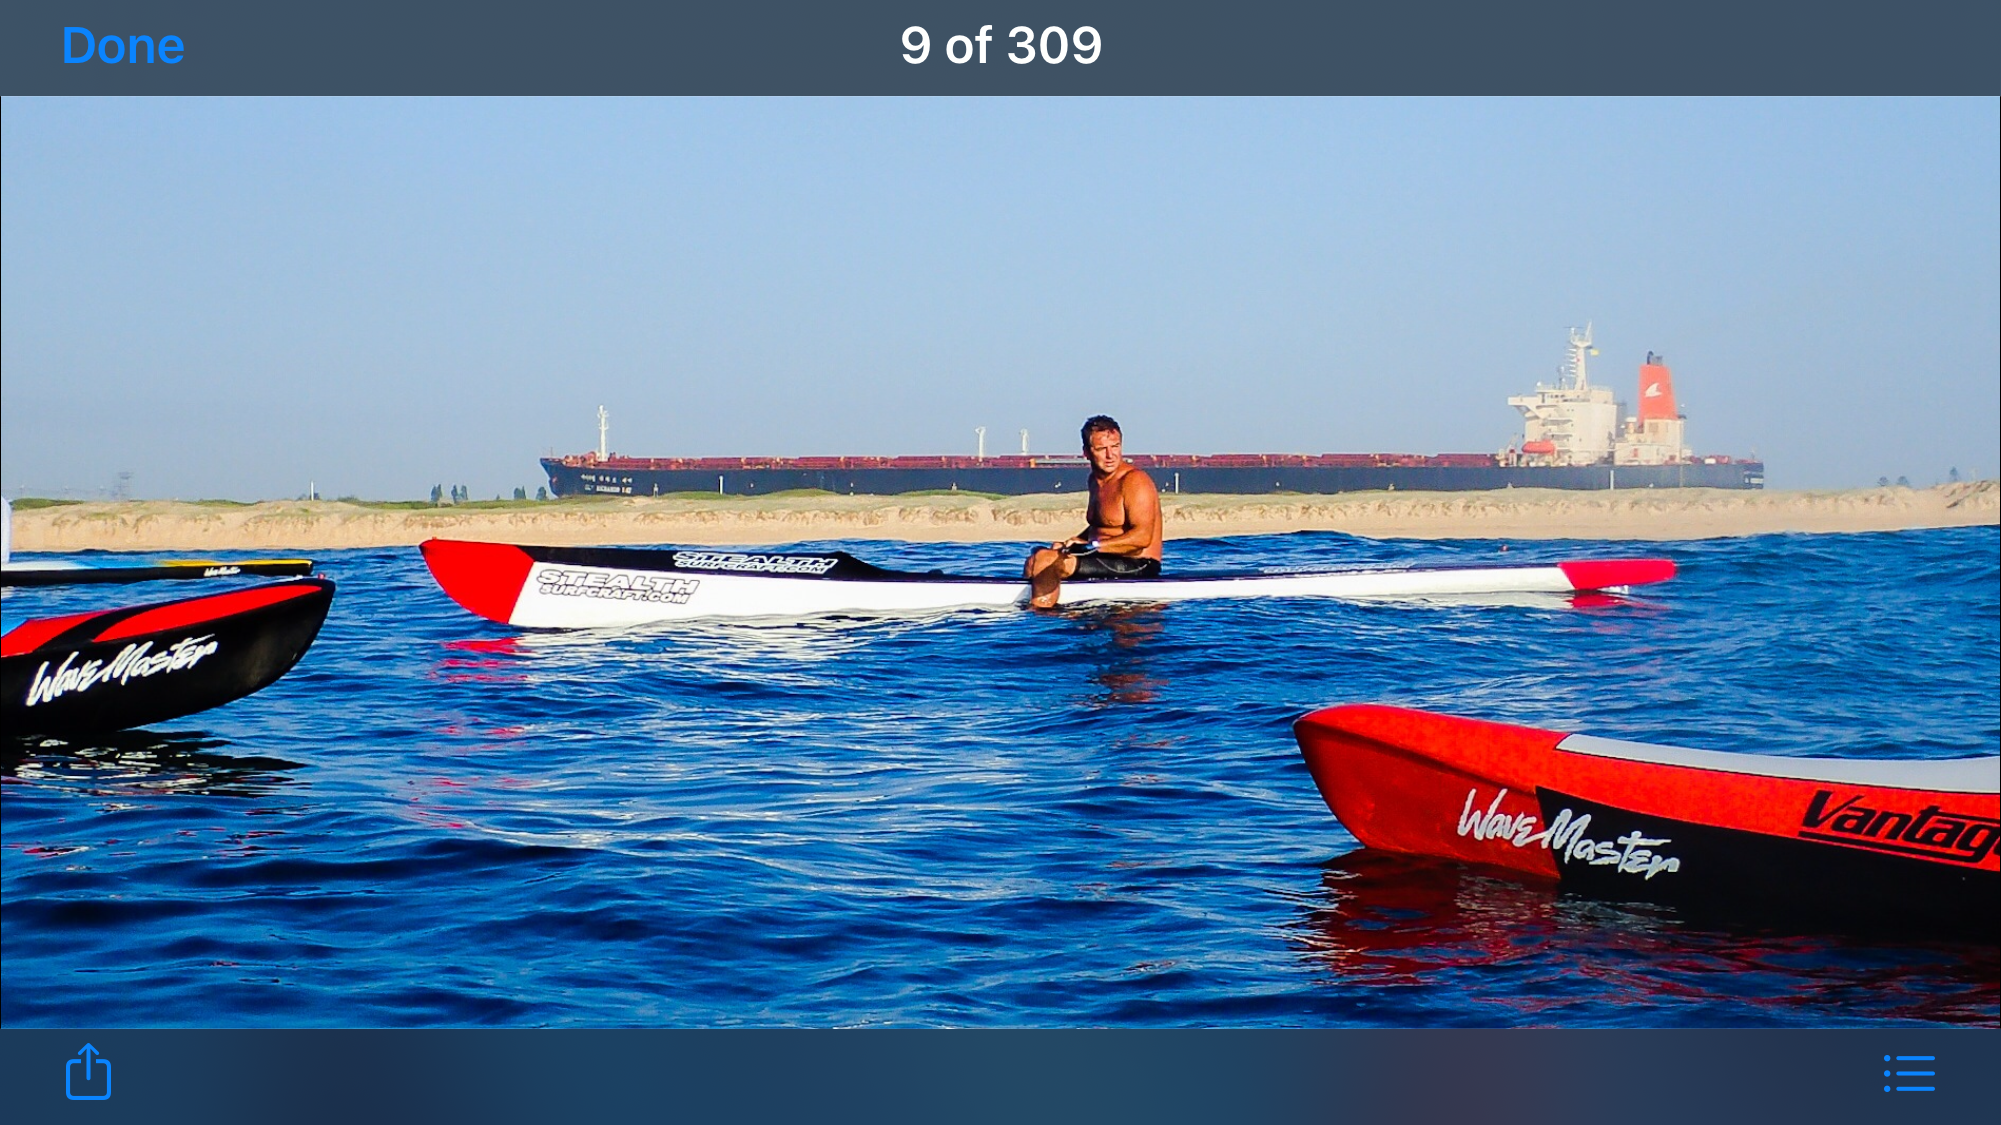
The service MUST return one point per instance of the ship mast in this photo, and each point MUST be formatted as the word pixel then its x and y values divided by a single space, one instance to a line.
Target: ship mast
pixel 604 432
pixel 1580 346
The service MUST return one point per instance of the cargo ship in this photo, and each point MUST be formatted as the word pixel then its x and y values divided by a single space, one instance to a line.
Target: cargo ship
pixel 1572 438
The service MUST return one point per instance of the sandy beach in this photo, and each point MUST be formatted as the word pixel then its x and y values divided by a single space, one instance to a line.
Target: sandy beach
pixel 163 525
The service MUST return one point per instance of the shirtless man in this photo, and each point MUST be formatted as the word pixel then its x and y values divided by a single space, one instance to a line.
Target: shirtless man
pixel 1123 539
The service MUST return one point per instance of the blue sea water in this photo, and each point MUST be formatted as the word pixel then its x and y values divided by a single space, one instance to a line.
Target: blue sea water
pixel 1083 817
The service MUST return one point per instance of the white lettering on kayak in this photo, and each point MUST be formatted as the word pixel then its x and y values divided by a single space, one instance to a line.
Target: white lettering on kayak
pixel 754 564
pixel 1631 854
pixel 617 585
pixel 135 661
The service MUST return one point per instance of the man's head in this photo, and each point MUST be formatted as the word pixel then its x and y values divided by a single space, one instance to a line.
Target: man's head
pixel 1102 442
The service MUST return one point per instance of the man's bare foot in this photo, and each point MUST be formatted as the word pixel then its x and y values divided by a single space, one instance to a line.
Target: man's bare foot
pixel 1045 571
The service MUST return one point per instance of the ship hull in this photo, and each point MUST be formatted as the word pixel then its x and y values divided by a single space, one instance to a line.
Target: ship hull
pixel 614 480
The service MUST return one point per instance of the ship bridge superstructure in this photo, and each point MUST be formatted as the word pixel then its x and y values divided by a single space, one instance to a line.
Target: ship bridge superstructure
pixel 1574 422
pixel 1570 422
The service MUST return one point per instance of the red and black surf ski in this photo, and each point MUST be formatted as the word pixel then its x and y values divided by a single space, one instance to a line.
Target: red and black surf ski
pixel 1896 843
pixel 112 669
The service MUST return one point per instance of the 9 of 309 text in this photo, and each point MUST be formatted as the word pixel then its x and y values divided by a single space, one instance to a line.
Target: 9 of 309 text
pixel 1055 45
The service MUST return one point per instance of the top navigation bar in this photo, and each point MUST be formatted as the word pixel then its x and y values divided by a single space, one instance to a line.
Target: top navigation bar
pixel 989 47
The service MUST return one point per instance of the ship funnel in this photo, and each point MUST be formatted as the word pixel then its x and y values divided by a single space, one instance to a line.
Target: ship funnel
pixel 1656 391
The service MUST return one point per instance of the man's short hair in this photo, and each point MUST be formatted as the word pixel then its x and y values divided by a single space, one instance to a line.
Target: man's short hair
pixel 1099 424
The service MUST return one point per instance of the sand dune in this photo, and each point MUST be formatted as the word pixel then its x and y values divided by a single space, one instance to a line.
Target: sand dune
pixel 160 525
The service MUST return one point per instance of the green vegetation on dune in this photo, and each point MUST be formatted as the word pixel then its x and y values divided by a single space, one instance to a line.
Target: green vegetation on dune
pixel 30 503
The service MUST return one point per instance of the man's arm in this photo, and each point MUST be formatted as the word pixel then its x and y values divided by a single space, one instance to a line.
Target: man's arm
pixel 1076 540
pixel 1142 504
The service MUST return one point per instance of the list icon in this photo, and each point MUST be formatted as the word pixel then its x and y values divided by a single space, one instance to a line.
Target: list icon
pixel 1897 1074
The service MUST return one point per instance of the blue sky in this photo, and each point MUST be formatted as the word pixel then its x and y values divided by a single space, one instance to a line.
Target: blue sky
pixel 232 298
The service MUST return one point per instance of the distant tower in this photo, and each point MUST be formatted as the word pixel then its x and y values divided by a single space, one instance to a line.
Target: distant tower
pixel 604 434
pixel 980 450
pixel 1024 443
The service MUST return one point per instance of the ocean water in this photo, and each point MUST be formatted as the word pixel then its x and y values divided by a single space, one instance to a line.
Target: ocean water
pixel 1083 817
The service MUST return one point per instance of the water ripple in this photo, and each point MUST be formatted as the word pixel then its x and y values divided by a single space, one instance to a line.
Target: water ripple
pixel 1087 817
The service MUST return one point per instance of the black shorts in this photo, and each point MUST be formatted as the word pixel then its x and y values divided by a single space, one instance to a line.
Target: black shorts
pixel 1097 565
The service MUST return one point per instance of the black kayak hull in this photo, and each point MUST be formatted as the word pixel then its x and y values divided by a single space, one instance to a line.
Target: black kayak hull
pixel 31 574
pixel 115 669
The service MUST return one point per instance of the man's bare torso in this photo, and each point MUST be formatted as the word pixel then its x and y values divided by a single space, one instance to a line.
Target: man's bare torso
pixel 1106 512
